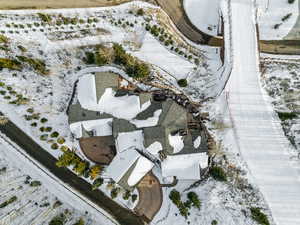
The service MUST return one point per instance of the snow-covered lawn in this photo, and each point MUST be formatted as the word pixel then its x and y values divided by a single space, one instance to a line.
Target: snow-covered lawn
pixel 204 14
pixel 271 18
pixel 152 51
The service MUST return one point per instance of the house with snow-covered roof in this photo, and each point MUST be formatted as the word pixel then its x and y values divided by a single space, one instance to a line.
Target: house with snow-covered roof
pixel 131 133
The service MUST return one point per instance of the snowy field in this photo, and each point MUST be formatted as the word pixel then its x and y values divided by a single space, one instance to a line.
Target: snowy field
pixel 282 83
pixel 204 14
pixel 36 202
pixel 276 18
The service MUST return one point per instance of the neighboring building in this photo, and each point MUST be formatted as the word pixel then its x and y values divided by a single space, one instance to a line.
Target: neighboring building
pixel 132 133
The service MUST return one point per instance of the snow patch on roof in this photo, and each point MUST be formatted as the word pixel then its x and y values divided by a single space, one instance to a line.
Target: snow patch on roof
pixel 130 140
pixel 125 107
pixel 184 167
pixel 101 127
pixel 176 141
pixel 142 167
pixel 150 122
pixel 87 92
pixel 121 164
pixel 154 148
pixel 197 142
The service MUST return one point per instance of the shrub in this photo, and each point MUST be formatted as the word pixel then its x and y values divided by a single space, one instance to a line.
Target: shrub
pixel 3 39
pixel 193 197
pixel 45 17
pixel 55 134
pixel 37 64
pixel 214 222
pixel 30 110
pixel 287 115
pixel 114 192
pixel 291 1
pixel 79 222
pixel 61 140
pixel 126 195
pixel 133 197
pixel 182 82
pixel 64 148
pixel 218 173
pixel 175 197
pixel 9 201
pixel 10 64
pixel 259 216
pixel 97 183
pixel 34 124
pixel 35 183
pixel 54 146
pixel 44 137
pixel 42 129
pixel 58 220
pixel 140 12
pixel 276 26
pixel 286 17
pixel 48 129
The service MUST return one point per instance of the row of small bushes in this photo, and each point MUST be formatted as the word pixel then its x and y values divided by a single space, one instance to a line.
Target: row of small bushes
pixel 9 201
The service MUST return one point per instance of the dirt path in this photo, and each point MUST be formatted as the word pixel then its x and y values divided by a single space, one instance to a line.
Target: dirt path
pixel 55 4
pixel 282 47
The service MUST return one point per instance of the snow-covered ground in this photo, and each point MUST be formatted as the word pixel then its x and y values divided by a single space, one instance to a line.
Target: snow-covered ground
pixel 38 203
pixel 258 133
pixel 204 14
pixel 271 18
pixel 282 83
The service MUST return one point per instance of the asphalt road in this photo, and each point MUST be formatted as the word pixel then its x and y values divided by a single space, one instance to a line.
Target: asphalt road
pixel 121 214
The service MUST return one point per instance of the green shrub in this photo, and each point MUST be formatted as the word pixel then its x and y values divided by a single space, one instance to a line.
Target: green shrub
pixel 44 137
pixel 45 17
pixel 58 220
pixel 54 146
pixel 97 183
pixel 9 201
pixel 126 195
pixel 134 197
pixel 291 1
pixel 218 173
pixel 175 197
pixel 214 222
pixel 37 64
pixel 35 183
pixel 55 134
pixel 61 140
pixel 34 124
pixel 3 39
pixel 286 17
pixel 193 197
pixel 44 120
pixel 140 12
pixel 114 192
pixel 182 82
pixel 30 110
pixel 48 129
pixel 79 222
pixel 259 216
pixel 10 64
pixel 287 115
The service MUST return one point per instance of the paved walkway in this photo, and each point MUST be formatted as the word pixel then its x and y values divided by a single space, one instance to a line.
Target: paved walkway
pixel 258 131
